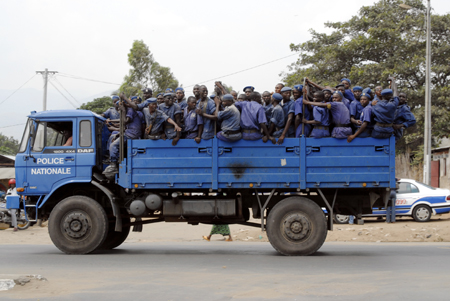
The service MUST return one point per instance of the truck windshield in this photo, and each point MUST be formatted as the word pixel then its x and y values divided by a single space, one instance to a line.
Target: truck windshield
pixel 26 136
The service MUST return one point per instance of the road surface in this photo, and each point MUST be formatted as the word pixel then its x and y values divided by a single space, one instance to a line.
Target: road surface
pixel 221 270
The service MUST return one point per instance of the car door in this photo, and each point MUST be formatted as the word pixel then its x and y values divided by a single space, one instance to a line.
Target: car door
pixel 408 193
pixel 49 161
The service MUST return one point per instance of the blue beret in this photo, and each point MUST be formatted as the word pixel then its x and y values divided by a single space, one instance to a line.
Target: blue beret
pixel 117 103
pixel 151 100
pixel 298 88
pixel 168 94
pixel 147 90
pixel 367 90
pixel 277 96
pixel 212 96
pixel 160 94
pixel 366 95
pixel 285 89
pixel 169 90
pixel 386 92
pixel 327 90
pixel 249 87
pixel 115 97
pixel 338 93
pixel 228 97
pixel 138 98
pixel 346 79
pixel 357 88
pixel 179 89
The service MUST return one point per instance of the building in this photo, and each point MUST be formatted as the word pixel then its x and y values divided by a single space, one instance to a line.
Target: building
pixel 7 170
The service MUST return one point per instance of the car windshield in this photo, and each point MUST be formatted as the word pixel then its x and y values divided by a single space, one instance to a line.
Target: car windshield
pixel 427 186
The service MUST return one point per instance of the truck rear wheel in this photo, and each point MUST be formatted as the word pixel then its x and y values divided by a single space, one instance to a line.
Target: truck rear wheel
pixel 78 225
pixel 296 226
pixel 113 238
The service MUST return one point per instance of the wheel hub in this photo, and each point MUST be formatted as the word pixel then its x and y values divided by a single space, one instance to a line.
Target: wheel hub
pixel 422 213
pixel 296 227
pixel 76 224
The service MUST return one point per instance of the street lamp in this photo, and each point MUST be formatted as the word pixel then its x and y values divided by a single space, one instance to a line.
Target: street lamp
pixel 427 122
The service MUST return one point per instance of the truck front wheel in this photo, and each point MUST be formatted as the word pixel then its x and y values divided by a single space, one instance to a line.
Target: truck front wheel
pixel 296 226
pixel 78 225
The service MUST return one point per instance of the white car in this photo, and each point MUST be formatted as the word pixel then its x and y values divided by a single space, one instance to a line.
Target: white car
pixel 414 199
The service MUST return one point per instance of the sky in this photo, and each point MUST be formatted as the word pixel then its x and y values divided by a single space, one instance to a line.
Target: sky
pixel 199 40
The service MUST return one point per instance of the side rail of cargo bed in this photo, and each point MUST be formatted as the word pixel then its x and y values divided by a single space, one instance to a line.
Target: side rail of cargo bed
pixel 298 164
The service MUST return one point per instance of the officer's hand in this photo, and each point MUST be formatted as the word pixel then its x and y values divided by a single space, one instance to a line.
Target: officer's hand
pixel 374 102
pixel 280 140
pixel 199 112
pixel 198 139
pixel 350 138
pixel 217 101
pixel 358 122
pixel 177 128
pixel 397 126
pixel 272 139
pixel 265 139
pixel 391 79
pixel 304 121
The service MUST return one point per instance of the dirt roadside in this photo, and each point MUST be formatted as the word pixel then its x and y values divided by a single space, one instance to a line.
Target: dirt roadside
pixel 404 230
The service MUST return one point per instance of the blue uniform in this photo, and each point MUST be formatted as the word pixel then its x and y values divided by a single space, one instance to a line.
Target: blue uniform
pixel 340 116
pixel 322 129
pixel 277 119
pixel 268 109
pixel 307 115
pixel 231 120
pixel 349 95
pixel 208 124
pixel 191 122
pixel 182 104
pixel 289 107
pixel 156 119
pixel 112 114
pixel 403 116
pixel 384 115
pixel 366 115
pixel 252 115
pixel 356 108
pixel 346 102
pixel 171 111
pixel 133 130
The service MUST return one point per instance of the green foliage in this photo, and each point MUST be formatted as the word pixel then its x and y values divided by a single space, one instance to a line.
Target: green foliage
pixel 383 40
pixel 8 145
pixel 146 72
pixel 98 105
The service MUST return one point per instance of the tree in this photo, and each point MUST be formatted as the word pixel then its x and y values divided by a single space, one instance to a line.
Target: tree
pixel 383 40
pixel 98 105
pixel 146 72
pixel 8 145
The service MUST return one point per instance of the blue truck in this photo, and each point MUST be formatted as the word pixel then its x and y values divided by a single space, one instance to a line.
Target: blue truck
pixel 285 187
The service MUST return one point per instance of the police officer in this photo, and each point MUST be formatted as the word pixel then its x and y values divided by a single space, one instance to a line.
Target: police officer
pixel 13 192
pixel 113 112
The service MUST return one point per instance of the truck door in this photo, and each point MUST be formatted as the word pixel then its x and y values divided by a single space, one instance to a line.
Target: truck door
pixel 86 154
pixel 23 155
pixel 51 155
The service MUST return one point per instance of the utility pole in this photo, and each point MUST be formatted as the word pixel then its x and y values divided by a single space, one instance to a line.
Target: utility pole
pixel 45 74
pixel 427 132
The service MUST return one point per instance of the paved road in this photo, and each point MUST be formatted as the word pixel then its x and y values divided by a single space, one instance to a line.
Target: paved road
pixel 238 270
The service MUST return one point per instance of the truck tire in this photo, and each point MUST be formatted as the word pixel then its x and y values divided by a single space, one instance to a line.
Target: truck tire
pixel 78 225
pixel 296 226
pixel 113 238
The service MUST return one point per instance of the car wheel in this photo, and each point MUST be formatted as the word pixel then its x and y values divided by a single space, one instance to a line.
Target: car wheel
pixel 341 219
pixel 78 225
pixel 422 213
pixel 296 226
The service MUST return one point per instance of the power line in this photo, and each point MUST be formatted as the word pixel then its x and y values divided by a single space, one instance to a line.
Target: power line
pixel 88 79
pixel 8 126
pixel 220 77
pixel 51 82
pixel 54 78
pixel 17 90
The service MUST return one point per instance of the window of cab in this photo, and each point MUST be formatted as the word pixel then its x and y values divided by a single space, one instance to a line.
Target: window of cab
pixel 51 134
pixel 85 139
